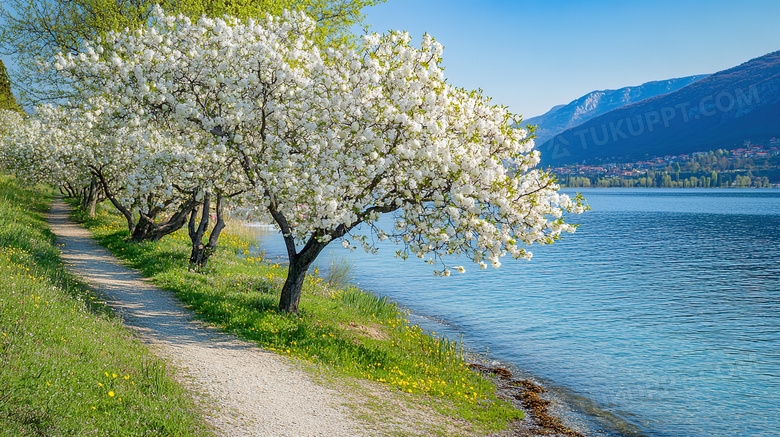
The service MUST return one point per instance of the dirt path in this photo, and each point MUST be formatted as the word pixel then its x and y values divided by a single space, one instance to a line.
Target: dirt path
pixel 254 392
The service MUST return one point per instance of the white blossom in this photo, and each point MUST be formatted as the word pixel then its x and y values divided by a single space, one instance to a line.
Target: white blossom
pixel 321 141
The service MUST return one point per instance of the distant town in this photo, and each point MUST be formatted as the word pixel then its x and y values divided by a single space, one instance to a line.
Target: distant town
pixel 749 166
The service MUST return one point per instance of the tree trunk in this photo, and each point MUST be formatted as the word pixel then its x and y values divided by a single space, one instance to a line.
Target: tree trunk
pixel 91 196
pixel 291 290
pixel 92 207
pixel 300 261
pixel 296 274
pixel 147 229
pixel 131 225
pixel 141 229
pixel 69 192
pixel 202 252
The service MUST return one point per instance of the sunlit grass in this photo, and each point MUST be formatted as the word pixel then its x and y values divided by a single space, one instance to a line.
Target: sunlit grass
pixel 66 367
pixel 345 329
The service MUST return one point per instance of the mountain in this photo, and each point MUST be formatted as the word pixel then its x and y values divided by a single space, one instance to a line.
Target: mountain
pixel 595 103
pixel 719 111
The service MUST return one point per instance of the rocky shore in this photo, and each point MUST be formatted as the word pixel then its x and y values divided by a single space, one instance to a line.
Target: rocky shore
pixel 525 395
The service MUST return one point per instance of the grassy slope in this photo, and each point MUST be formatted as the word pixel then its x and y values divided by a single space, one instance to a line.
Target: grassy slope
pixel 66 366
pixel 351 332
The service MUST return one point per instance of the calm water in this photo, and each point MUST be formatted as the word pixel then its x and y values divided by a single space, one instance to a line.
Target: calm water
pixel 660 316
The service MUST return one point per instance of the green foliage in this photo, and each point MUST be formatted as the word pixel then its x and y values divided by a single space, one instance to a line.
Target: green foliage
pixel 352 332
pixel 339 274
pixel 33 31
pixel 36 30
pixel 66 367
pixel 335 18
pixel 7 100
pixel 714 170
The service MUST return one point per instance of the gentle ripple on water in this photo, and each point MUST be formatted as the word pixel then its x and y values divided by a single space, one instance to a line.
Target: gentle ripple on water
pixel 659 315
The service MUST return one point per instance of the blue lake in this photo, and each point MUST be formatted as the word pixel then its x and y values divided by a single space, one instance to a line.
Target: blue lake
pixel 660 316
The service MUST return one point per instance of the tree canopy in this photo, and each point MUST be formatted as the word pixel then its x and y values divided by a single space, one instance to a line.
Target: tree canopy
pixel 34 31
pixel 321 141
pixel 334 19
pixel 7 100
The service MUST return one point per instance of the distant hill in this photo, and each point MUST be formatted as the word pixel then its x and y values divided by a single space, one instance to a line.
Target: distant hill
pixel 719 111
pixel 595 103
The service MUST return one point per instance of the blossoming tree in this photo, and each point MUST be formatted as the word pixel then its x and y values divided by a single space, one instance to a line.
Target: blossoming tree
pixel 36 150
pixel 34 31
pixel 9 120
pixel 142 173
pixel 327 141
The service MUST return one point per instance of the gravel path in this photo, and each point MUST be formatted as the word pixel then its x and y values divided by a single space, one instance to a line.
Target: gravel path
pixel 254 392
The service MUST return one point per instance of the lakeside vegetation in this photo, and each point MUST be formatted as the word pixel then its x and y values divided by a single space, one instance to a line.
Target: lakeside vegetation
pixel 70 368
pixel 67 366
pixel 349 331
pixel 716 169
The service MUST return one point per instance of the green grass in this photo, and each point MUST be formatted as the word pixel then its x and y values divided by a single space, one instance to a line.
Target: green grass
pixel 67 367
pixel 346 330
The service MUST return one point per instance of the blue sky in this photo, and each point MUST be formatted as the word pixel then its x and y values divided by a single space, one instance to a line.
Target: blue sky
pixel 532 55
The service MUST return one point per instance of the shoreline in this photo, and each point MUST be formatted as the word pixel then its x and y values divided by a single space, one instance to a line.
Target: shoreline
pixel 347 332
pixel 558 403
pixel 524 394
pixel 621 427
